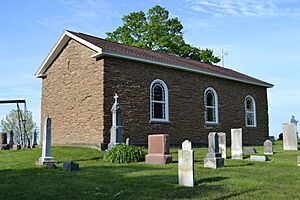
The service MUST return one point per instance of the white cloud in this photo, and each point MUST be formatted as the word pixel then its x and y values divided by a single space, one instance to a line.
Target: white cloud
pixel 242 8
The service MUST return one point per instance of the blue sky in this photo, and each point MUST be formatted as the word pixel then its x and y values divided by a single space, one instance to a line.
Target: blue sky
pixel 261 38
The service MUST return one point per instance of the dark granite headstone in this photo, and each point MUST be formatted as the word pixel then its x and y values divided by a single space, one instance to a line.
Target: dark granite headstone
pixel 70 166
pixel 3 138
pixel 280 136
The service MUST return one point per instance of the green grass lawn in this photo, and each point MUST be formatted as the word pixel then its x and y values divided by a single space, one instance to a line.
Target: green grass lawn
pixel 20 178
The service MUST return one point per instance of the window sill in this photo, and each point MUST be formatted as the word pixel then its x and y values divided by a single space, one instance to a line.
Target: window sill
pixel 155 121
pixel 211 124
pixel 250 127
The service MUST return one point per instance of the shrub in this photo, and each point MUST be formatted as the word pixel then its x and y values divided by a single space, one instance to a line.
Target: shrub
pixel 122 153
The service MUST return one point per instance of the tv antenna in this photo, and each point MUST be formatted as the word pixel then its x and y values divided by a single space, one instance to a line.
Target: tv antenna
pixel 222 56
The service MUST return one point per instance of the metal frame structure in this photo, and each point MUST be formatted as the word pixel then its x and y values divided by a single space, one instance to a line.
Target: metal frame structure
pixel 22 119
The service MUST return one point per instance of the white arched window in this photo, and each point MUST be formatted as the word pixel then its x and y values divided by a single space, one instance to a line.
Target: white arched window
pixel 211 106
pixel 159 110
pixel 250 111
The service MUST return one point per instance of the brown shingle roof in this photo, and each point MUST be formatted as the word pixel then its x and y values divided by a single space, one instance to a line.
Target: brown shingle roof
pixel 107 45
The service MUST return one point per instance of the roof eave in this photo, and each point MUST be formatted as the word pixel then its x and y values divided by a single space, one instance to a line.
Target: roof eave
pixel 180 67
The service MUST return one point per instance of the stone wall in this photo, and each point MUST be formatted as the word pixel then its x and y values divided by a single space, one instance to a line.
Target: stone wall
pixel 131 81
pixel 72 95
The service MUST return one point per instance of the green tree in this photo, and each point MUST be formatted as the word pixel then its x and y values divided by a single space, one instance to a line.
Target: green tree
pixel 154 30
pixel 11 122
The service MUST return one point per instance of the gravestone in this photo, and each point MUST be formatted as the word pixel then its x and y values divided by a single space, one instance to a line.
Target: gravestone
pixel 116 131
pixel 222 144
pixel 34 143
pixel 46 158
pixel 298 160
pixel 268 147
pixel 289 136
pixel 127 141
pixel 249 150
pixel 280 136
pixel 236 144
pixel 11 138
pixel 186 165
pixel 294 121
pixel 16 147
pixel 258 158
pixel 158 149
pixel 70 166
pixel 213 157
pixel 3 138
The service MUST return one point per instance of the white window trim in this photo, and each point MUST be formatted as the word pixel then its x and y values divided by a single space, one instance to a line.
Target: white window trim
pixel 216 105
pixel 166 101
pixel 254 111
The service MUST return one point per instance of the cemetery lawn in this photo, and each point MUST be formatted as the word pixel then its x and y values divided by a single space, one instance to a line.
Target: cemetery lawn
pixel 20 178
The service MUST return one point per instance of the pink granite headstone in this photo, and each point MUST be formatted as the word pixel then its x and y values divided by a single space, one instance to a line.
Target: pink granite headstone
pixel 158 149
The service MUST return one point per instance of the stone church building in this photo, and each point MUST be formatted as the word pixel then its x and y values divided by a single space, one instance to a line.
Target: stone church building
pixel 158 93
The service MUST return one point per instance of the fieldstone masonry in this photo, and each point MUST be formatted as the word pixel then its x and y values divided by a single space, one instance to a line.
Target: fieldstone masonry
pixel 186 165
pixel 236 144
pixel 268 147
pixel 116 131
pixel 289 136
pixel 213 157
pixel 158 149
pixel 46 158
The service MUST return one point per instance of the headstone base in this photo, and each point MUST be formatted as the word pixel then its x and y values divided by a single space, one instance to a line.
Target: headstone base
pixel 214 162
pixel 285 148
pixel 259 158
pixel 237 156
pixel 158 159
pixel 45 161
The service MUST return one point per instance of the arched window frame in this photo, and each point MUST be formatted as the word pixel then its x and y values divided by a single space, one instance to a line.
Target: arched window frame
pixel 165 102
pixel 210 89
pixel 247 112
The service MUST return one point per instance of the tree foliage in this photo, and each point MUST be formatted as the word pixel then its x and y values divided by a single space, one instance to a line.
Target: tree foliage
pixel 11 122
pixel 154 30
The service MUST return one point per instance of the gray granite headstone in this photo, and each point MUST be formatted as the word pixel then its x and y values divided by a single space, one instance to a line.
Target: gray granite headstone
pixel 34 143
pixel 258 158
pixel 116 131
pixel 290 141
pixel 222 144
pixel 213 157
pixel 268 147
pixel 249 150
pixel 70 166
pixel 46 158
pixel 236 144
pixel 186 165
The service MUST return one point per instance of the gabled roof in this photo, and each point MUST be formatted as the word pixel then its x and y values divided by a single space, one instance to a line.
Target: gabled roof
pixel 104 47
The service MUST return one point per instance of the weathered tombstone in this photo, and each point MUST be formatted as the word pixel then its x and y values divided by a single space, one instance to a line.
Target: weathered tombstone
pixel 236 144
pixel 222 144
pixel 289 136
pixel 16 147
pixel 158 149
pixel 213 157
pixel 280 136
pixel 70 166
pixel 34 143
pixel 258 158
pixel 127 141
pixel 116 131
pixel 249 150
pixel 3 138
pixel 11 138
pixel 186 165
pixel 46 158
pixel 268 148
pixel 298 160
